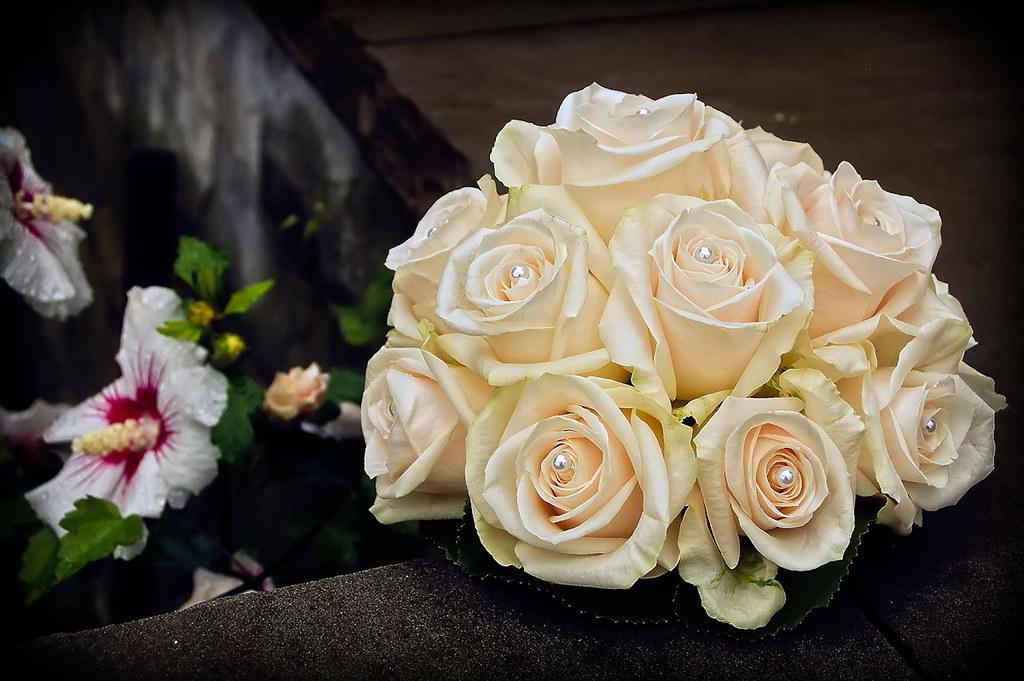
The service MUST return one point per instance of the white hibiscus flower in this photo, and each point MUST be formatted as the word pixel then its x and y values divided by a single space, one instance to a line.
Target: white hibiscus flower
pixel 144 441
pixel 38 237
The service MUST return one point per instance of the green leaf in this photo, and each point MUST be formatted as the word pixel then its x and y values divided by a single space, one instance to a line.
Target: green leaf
pixel 366 322
pixel 182 329
pixel 95 528
pixel 290 221
pixel 234 433
pixel 338 541
pixel 181 546
pixel 345 385
pixel 663 598
pixel 242 299
pixel 202 267
pixel 246 390
pixel 805 591
pixel 650 600
pixel 14 513
pixel 310 228
pixel 39 564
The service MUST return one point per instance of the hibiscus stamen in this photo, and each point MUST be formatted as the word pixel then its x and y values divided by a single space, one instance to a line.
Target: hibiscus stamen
pixel 135 435
pixel 51 208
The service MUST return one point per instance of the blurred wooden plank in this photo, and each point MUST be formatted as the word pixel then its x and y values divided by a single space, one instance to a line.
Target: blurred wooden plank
pixel 403 147
pixel 388 21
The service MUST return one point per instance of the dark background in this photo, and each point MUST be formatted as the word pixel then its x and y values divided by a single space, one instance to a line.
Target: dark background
pixel 220 119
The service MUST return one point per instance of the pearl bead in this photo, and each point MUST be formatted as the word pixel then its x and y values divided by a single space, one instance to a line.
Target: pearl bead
pixel 561 462
pixel 784 476
pixel 930 426
pixel 876 222
pixel 518 272
pixel 705 253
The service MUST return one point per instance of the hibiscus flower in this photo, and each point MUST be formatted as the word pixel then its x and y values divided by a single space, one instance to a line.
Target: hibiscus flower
pixel 25 428
pixel 144 441
pixel 38 237
pixel 207 585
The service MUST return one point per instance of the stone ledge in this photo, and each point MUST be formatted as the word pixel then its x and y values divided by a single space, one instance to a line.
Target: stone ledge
pixel 425 619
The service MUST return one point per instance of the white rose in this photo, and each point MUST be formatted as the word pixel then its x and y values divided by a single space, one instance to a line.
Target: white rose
pixel 706 298
pixel 578 480
pixel 774 149
pixel 419 261
pixel 930 417
pixel 415 413
pixel 779 472
pixel 877 341
pixel 871 247
pixel 612 150
pixel 521 301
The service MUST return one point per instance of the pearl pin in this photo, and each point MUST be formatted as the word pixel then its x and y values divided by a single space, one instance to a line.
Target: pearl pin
pixel 784 476
pixel 561 462
pixel 518 273
pixel 930 426
pixel 705 253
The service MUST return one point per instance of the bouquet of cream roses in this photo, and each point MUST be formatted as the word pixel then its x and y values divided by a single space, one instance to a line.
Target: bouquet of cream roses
pixel 669 361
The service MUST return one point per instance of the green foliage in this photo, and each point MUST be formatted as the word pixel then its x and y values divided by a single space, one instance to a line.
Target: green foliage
pixel 181 546
pixel 14 513
pixel 650 600
pixel 311 227
pixel 805 591
pixel 337 539
pixel 366 321
pixel 95 529
pixel 182 329
pixel 244 298
pixel 233 434
pixel 345 385
pixel 202 267
pixel 664 598
pixel 39 564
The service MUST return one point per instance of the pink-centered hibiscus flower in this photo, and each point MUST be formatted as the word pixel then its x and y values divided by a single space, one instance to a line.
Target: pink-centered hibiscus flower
pixel 144 441
pixel 38 237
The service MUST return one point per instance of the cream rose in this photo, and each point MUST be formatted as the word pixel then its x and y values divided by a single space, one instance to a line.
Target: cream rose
pixel 300 391
pixel 930 417
pixel 419 262
pixel 774 149
pixel 577 480
pixel 706 298
pixel 521 301
pixel 779 472
pixel 871 247
pixel 612 150
pixel 415 412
